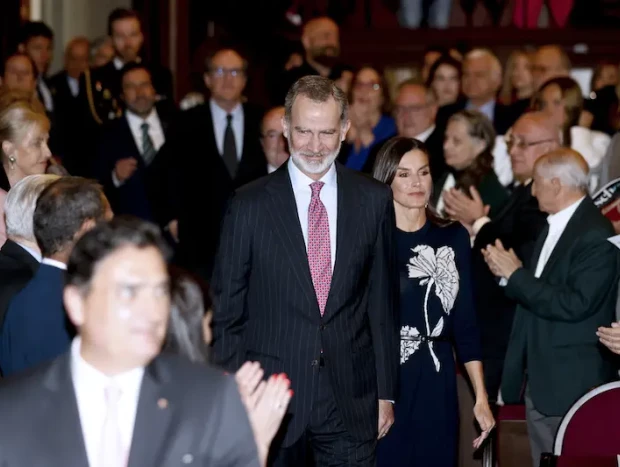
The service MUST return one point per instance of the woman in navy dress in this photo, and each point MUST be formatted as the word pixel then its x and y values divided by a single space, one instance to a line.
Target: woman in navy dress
pixel 437 318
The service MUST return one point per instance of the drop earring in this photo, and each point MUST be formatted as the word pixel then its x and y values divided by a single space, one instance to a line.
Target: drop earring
pixel 12 162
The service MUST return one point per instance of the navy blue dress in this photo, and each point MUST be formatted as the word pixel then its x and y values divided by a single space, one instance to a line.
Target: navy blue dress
pixel 436 300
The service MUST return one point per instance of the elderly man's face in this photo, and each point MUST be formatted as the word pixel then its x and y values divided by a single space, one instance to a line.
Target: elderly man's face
pixel 76 60
pixel 480 80
pixel 414 114
pixel 547 64
pixel 526 143
pixel 123 315
pixel 272 138
pixel 546 192
pixel 315 134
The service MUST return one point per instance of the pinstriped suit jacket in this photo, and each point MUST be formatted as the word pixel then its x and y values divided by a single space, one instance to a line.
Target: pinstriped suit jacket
pixel 266 308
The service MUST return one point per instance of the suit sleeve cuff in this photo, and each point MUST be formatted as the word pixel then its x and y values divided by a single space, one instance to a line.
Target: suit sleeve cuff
pixel 117 183
pixel 479 224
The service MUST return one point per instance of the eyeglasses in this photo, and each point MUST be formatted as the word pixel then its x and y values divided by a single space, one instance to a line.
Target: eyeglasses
pixel 221 72
pixel 369 86
pixel 523 145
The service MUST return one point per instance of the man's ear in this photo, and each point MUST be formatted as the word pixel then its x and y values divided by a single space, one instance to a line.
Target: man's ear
pixel 74 305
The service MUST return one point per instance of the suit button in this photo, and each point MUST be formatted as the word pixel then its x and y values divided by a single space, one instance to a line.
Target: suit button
pixel 322 327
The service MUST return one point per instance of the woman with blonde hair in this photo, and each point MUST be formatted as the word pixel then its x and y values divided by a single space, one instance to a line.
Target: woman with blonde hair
pixel 23 148
pixel 518 85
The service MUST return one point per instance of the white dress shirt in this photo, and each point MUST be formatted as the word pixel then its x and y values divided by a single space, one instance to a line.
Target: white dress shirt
pixel 46 94
pixel 219 126
pixel 119 64
pixel 329 197
pixel 448 184
pixel 271 168
pixel 90 385
pixel 557 224
pixel 74 85
pixel 54 263
pixel 425 134
pixel 156 133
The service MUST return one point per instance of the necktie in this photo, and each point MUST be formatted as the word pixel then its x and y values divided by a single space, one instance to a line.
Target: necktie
pixel 148 150
pixel 319 249
pixel 230 147
pixel 111 451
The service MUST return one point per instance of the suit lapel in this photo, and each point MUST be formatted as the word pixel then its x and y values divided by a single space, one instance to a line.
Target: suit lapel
pixel 152 417
pixel 67 443
pixel 571 232
pixel 285 220
pixel 345 232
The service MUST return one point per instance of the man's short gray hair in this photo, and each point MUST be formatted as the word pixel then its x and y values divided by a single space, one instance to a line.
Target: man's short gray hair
pixel 567 165
pixel 20 204
pixel 317 89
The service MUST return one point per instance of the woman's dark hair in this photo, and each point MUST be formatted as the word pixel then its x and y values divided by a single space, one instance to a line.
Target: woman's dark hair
pixel 444 60
pixel 185 330
pixel 573 103
pixel 387 162
pixel 479 127
pixel 386 108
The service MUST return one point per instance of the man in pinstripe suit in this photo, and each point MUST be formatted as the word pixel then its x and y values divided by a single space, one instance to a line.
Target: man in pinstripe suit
pixel 305 283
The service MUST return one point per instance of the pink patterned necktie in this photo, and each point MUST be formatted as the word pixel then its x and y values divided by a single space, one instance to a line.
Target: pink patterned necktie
pixel 319 250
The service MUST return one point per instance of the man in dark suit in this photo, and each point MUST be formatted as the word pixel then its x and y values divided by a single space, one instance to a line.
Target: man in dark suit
pixel 100 88
pixel 20 255
pixel 35 328
pixel 482 78
pixel 564 294
pixel 127 165
pixel 305 283
pixel 110 399
pixel 37 41
pixel 517 225
pixel 229 156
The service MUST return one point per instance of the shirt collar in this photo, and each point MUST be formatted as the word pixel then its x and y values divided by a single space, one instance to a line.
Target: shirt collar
pixel 35 254
pixel 300 179
pixel 426 133
pixel 135 120
pixel 561 218
pixel 486 107
pixel 220 114
pixel 83 371
pixel 54 263
pixel 119 64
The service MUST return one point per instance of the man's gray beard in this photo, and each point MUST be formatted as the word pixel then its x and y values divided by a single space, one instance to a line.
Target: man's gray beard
pixel 314 167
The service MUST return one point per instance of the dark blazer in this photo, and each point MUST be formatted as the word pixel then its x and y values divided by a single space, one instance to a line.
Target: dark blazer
pixel 35 327
pixel 17 267
pixel 503 118
pixel 518 224
pixel 265 306
pixel 204 418
pixel 140 195
pixel 554 332
pixel 199 185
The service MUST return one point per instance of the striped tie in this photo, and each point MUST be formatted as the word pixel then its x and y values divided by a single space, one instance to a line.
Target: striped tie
pixel 148 150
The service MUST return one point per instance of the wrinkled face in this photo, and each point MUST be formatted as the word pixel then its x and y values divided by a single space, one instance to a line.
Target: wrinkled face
pixel 521 73
pixel 123 315
pixel 460 148
pixel 412 185
pixel 19 75
pixel 545 192
pixel 314 135
pixel 322 39
pixel 127 38
pixel 30 152
pixel 367 89
pixel 525 144
pixel 40 50
pixel 413 113
pixel 77 59
pixel 138 92
pixel 226 78
pixel 552 104
pixel 272 138
pixel 446 84
pixel 480 81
